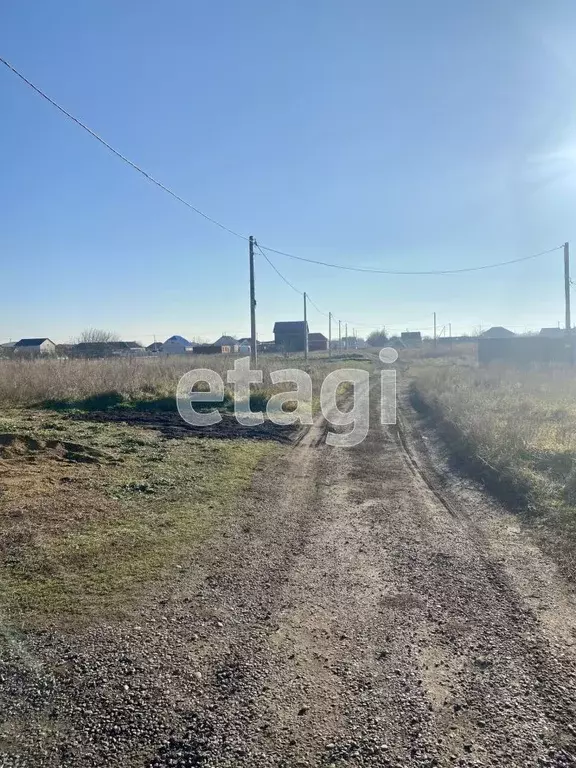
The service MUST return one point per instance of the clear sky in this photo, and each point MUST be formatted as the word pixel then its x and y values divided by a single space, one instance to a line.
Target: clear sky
pixel 403 134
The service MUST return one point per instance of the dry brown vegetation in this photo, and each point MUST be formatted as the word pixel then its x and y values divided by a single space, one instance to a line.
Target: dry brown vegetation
pixel 517 429
pixel 34 382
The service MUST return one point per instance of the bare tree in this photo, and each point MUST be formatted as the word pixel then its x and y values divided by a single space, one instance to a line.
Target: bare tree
pixel 377 338
pixel 96 336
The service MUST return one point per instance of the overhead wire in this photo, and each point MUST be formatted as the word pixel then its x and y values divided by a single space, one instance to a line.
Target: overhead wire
pixel 317 308
pixel 285 279
pixel 222 226
pixel 278 271
pixel 371 270
pixel 308 297
pixel 118 154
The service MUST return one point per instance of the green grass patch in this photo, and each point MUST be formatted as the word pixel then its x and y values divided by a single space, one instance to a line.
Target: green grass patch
pixel 84 541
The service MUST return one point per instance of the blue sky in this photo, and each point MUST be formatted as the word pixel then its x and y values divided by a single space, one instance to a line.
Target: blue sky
pixel 401 135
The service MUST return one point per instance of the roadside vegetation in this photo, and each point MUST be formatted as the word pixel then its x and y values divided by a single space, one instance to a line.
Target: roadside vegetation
pixel 93 512
pixel 516 429
pixel 105 491
pixel 148 383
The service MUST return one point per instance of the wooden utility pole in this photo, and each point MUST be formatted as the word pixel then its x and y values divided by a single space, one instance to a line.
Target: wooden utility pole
pixel 435 329
pixel 567 287
pixel 305 328
pixel 253 350
pixel 329 334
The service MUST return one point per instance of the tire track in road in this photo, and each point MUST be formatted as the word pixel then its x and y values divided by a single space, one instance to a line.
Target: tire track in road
pixel 354 614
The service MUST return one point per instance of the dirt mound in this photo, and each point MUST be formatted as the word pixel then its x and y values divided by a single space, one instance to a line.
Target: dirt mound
pixel 14 445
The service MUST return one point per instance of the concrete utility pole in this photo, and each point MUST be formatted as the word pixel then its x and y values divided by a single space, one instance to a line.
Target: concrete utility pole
pixel 435 329
pixel 567 286
pixel 305 328
pixel 253 350
pixel 339 335
pixel 346 336
pixel 329 334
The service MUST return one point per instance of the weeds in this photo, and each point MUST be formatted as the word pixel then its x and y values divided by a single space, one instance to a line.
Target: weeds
pixel 146 384
pixel 84 539
pixel 518 429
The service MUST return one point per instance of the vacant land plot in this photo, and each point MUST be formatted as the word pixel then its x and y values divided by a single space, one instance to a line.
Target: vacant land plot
pixel 133 381
pixel 104 489
pixel 92 511
pixel 517 429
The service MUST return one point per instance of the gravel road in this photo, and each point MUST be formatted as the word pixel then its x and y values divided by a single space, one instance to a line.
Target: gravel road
pixel 360 612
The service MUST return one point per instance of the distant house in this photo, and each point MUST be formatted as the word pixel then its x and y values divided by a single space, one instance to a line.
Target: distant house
pixel 98 349
pixel 155 348
pixel 411 339
pixel 290 336
pixel 552 333
pixel 226 341
pixel 497 332
pixel 216 349
pixel 177 345
pixel 317 342
pixel 35 347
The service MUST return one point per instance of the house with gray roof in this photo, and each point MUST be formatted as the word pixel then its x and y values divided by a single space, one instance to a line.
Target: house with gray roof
pixel 35 347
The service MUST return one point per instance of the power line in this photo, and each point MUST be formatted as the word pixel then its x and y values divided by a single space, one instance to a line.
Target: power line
pixel 416 272
pixel 119 154
pixel 316 307
pixel 326 314
pixel 180 199
pixel 285 279
pixel 280 273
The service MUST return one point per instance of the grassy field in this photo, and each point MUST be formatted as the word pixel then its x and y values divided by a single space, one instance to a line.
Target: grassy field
pixel 134 381
pixel 91 513
pixel 515 428
pixel 104 490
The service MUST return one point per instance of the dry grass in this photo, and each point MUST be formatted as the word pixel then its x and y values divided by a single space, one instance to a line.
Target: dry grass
pixel 82 539
pixel 463 351
pixel 35 382
pixel 94 509
pixel 518 428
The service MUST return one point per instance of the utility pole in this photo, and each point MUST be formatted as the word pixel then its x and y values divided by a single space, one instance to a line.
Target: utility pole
pixel 450 332
pixel 329 334
pixel 346 336
pixel 253 350
pixel 567 287
pixel 305 328
pixel 339 335
pixel 435 329
pixel 567 302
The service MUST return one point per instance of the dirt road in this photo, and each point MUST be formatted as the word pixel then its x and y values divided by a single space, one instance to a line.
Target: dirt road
pixel 360 612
